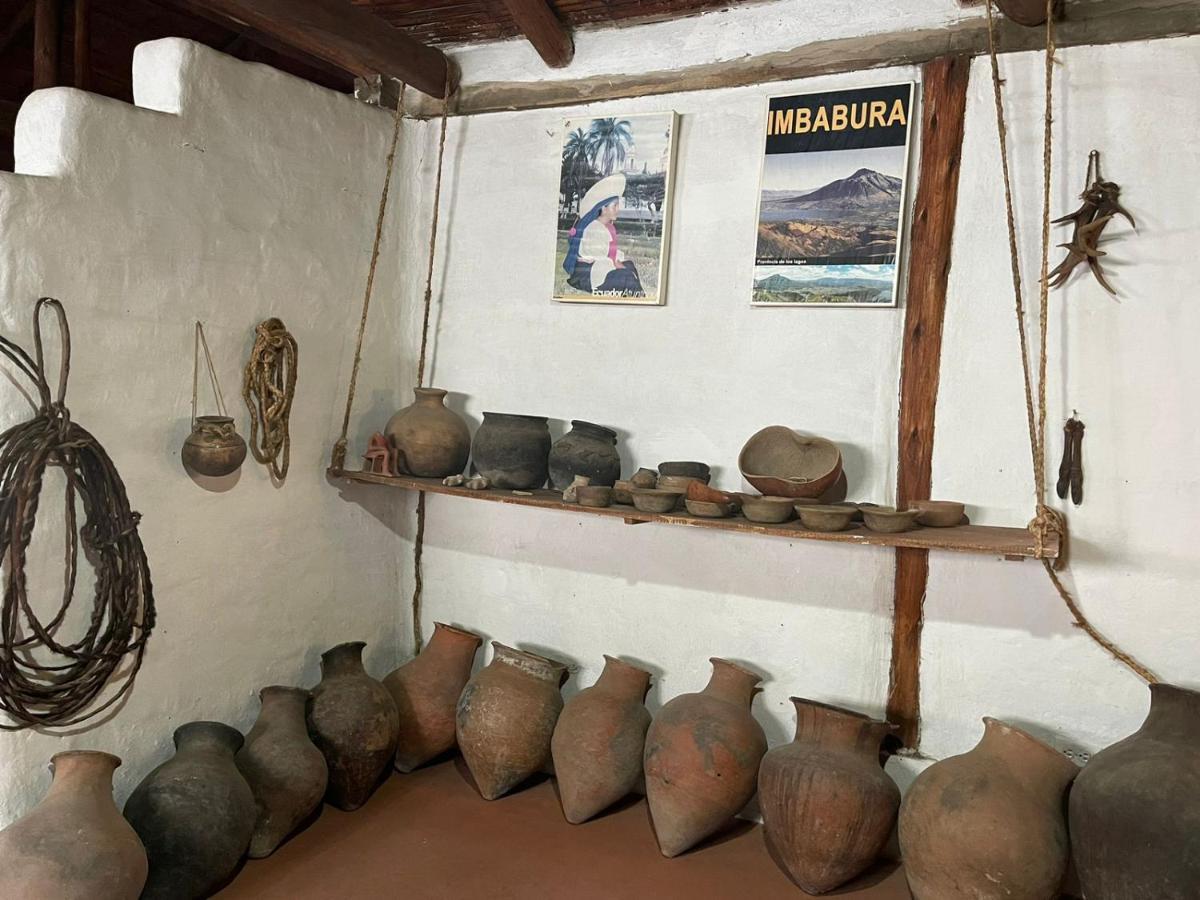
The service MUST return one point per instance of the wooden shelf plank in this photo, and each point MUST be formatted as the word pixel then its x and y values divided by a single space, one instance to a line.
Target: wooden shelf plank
pixel 1010 543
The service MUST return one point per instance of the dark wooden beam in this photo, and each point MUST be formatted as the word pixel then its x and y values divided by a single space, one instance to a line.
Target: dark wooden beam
pixel 82 38
pixel 541 26
pixel 14 26
pixel 8 118
pixel 47 15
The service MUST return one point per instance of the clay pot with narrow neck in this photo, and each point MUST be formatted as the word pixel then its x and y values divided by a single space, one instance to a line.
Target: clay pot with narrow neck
pixel 828 807
pixel 1135 808
pixel 511 451
pixel 702 757
pixel 354 722
pixel 505 718
pixel 426 691
pixel 599 740
pixel 194 813
pixel 589 450
pixel 433 441
pixel 214 447
pixel 74 845
pixel 285 770
pixel 989 824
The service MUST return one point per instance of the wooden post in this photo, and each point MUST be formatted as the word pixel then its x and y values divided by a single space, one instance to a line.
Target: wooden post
pixel 46 17
pixel 15 25
pixel 82 37
pixel 541 26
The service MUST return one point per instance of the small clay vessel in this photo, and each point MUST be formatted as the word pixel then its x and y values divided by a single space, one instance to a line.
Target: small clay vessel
pixel 194 813
pixel 706 510
pixel 702 756
pixel 214 447
pixel 989 824
pixel 652 500
pixel 431 440
pixel 599 740
pixel 686 469
pixel 586 449
pixel 826 518
pixel 768 510
pixel 1029 13
pixel 938 513
pixel 887 520
pixel 643 478
pixel 426 690
pixel 286 772
pixel 505 718
pixel 511 451
pixel 1135 808
pixel 594 496
pixel 73 845
pixel 827 805
pixel 698 490
pixel 621 492
pixel 353 721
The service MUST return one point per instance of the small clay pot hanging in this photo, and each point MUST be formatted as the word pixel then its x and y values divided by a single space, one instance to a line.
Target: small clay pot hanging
pixel 214 447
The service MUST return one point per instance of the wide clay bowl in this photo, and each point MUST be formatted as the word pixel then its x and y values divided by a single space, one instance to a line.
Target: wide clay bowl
pixel 651 500
pixel 698 490
pixel 781 463
pixel 707 510
pixel 767 510
pixel 594 495
pixel 826 518
pixel 886 520
pixel 690 469
pixel 938 513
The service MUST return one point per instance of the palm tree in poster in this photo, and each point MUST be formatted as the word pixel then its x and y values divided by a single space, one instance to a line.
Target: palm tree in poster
pixel 609 139
pixel 576 165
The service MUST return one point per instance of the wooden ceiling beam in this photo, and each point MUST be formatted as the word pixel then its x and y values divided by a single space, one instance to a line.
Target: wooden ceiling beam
pixel 12 30
pixel 541 26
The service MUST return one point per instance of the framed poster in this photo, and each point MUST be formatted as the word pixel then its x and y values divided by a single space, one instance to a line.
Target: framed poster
pixel 614 209
pixel 832 198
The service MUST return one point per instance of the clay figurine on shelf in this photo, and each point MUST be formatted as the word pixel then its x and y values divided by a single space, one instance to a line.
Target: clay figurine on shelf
pixel 381 457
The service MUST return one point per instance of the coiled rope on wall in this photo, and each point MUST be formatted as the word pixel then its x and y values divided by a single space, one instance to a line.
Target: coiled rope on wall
pixel 268 387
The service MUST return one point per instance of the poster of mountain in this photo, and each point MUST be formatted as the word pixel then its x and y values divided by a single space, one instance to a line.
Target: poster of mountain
pixel 832 198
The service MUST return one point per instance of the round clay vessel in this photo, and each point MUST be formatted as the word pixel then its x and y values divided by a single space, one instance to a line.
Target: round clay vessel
pixel 214 447
pixel 512 451
pixel 768 510
pixel 827 805
pixel 643 478
pixel 599 740
pixel 353 721
pixel 586 449
pixel 1029 13
pixel 826 518
pixel 194 813
pixel 686 469
pixel 886 520
pixel 1135 808
pixel 702 756
pixel 782 463
pixel 652 500
pixel 989 824
pixel 433 441
pixel 707 510
pixel 594 496
pixel 286 772
pixel 621 493
pixel 426 690
pixel 938 513
pixel 74 845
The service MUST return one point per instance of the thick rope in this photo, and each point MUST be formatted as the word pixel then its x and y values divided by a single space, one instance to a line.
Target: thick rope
pixel 268 386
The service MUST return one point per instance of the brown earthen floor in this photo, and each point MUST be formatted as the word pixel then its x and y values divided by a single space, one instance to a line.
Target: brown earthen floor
pixel 429 836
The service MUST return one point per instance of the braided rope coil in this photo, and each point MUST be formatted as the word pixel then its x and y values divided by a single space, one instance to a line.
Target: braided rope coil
pixel 268 387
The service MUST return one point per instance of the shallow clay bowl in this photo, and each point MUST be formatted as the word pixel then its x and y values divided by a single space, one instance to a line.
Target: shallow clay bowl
pixel 621 493
pixel 652 500
pixel 886 520
pixel 689 469
pixel 706 510
pixel 698 490
pixel 938 513
pixel 781 463
pixel 767 510
pixel 826 518
pixel 594 495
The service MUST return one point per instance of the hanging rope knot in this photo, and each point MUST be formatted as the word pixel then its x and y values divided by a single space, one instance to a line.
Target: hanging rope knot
pixel 1047 523
pixel 268 386
pixel 337 459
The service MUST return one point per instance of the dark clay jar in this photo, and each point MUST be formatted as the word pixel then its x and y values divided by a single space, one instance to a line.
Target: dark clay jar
pixel 586 449
pixel 510 450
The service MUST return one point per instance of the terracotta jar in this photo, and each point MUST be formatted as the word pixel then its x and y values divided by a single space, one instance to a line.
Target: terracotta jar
pixel 989 824
pixel 194 813
pixel 506 717
pixel 599 740
pixel 426 691
pixel 586 449
pixel 1030 13
pixel 432 441
pixel 74 845
pixel 511 451
pixel 353 721
pixel 1135 808
pixel 828 807
pixel 214 447
pixel 702 756
pixel 285 770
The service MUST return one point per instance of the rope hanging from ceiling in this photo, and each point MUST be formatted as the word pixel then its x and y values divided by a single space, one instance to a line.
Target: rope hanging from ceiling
pixel 268 387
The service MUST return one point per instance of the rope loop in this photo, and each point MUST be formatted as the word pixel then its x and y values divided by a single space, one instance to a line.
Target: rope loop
pixel 268 387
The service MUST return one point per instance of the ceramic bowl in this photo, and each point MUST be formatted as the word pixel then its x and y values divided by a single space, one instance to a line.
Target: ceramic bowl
pixel 826 518
pixel 698 490
pixel 594 495
pixel 690 469
pixel 706 510
pixel 644 478
pixel 621 492
pixel 938 513
pixel 887 520
pixel 768 510
pixel 652 500
pixel 782 463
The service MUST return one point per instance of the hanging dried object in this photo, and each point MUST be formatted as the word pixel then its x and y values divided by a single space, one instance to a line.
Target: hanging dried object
pixel 268 386
pixel 1101 201
pixel 1070 470
pixel 214 448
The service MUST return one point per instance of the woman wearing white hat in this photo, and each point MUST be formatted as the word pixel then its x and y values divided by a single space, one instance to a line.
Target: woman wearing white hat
pixel 594 263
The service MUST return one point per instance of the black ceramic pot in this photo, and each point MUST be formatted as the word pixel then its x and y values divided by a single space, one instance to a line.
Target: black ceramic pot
pixel 511 451
pixel 586 449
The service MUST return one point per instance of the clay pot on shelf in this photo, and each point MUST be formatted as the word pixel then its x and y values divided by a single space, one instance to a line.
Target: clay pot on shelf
pixel 506 717
pixel 214 447
pixel 767 510
pixel 599 740
pixel 586 449
pixel 706 510
pixel 698 490
pixel 779 462
pixel 594 496
pixel 426 690
pixel 702 756
pixel 828 807
pixel 1135 820
pixel 938 513
pixel 651 500
pixel 353 721
pixel 286 772
pixel 195 814
pixel 1030 13
pixel 643 478
pixel 887 520
pixel 685 469
pixel 431 441
pixel 74 845
pixel 512 451
pixel 989 824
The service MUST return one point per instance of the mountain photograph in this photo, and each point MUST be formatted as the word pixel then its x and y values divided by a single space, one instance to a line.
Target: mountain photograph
pixel 858 285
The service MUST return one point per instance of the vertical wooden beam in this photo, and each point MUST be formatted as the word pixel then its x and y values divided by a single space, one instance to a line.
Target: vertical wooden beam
pixel 82 37
pixel 541 26
pixel 46 17
pixel 15 25
pixel 943 109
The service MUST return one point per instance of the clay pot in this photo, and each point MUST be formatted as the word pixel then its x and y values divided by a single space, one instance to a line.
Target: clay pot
pixel 432 441
pixel 887 520
pixel 426 690
pixel 214 447
pixel 1135 820
pixel 828 807
pixel 989 824
pixel 354 722
pixel 285 770
pixel 781 463
pixel 1030 13
pixel 586 449
pixel 73 845
pixel 599 740
pixel 511 451
pixel 505 718
pixel 702 756
pixel 194 813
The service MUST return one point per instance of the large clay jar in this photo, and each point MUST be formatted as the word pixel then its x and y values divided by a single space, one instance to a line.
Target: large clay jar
pixel 505 718
pixel 599 740
pixel 194 813
pixel 433 441
pixel 214 447
pixel 989 824
pixel 285 770
pixel 827 805
pixel 1135 808
pixel 74 845
pixel 586 449
pixel 702 756
pixel 511 451
pixel 426 691
pixel 353 721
